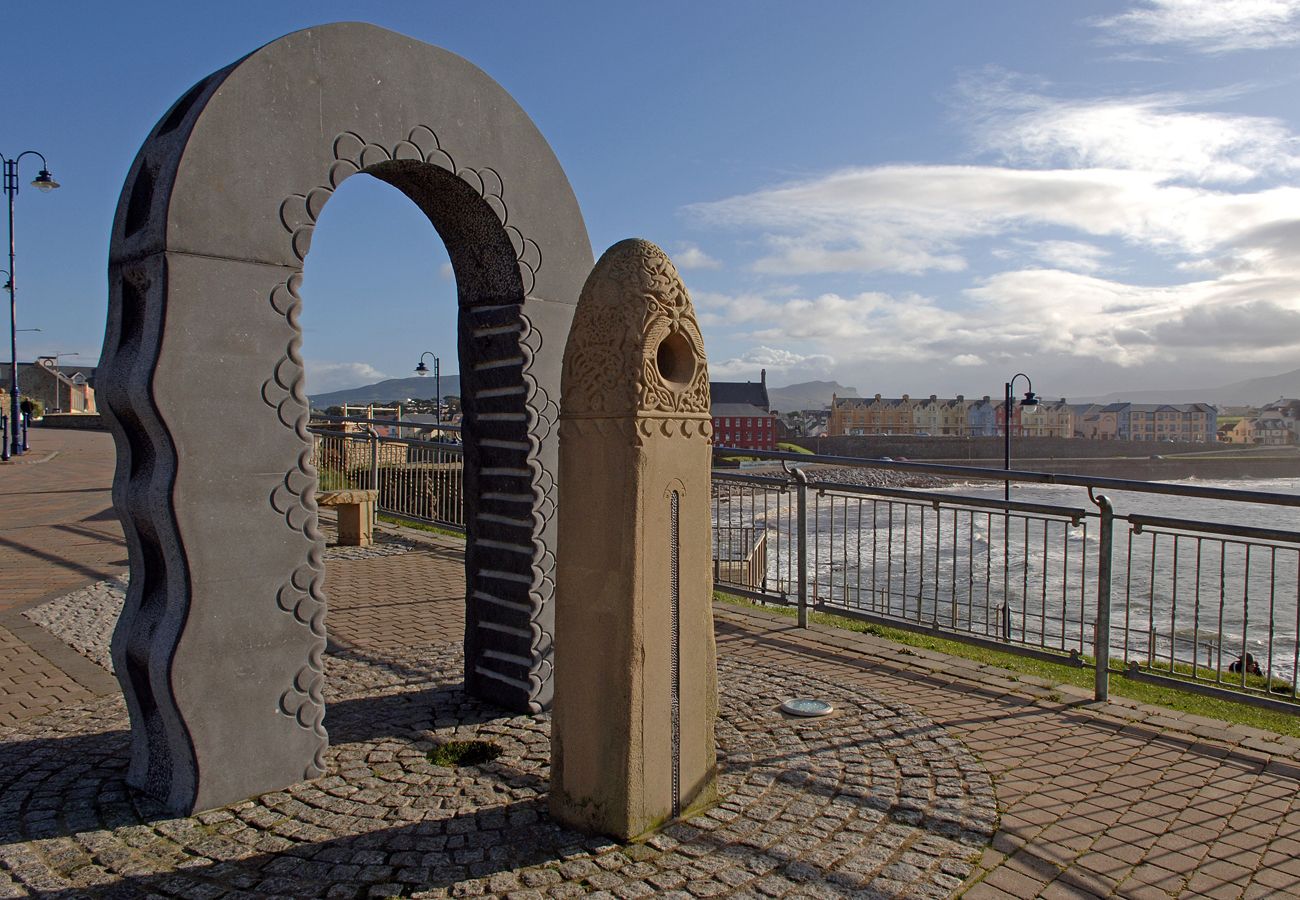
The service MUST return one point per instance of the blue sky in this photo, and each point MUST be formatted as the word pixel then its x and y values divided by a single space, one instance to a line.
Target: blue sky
pixel 921 197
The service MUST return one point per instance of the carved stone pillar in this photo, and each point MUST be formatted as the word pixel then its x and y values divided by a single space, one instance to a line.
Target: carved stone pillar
pixel 635 673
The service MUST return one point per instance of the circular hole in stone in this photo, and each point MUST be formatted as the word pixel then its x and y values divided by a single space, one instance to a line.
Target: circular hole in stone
pixel 675 360
pixel 806 708
pixel 455 754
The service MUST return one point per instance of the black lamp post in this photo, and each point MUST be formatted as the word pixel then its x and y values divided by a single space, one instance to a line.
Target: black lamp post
pixel 44 182
pixel 1027 405
pixel 423 370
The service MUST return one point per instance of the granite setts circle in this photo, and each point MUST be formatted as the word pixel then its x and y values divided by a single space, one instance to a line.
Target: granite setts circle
pixel 875 801
pixel 85 618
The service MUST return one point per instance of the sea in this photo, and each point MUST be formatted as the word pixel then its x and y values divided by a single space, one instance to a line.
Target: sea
pixel 1220 581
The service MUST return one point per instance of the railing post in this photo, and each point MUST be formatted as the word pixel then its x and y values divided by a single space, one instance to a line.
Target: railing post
pixel 1101 633
pixel 801 516
pixel 4 451
pixel 374 473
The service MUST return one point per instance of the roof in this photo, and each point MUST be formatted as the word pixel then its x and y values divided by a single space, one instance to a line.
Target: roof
pixel 753 392
pixel 737 409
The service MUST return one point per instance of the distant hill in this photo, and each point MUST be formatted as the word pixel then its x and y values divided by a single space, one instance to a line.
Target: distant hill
pixel 1251 392
pixel 807 395
pixel 394 390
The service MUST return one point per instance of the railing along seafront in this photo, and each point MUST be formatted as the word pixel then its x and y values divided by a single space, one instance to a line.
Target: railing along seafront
pixel 415 466
pixel 1214 606
pixel 1211 605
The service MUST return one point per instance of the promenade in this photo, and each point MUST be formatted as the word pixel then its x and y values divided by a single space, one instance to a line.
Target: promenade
pixel 936 778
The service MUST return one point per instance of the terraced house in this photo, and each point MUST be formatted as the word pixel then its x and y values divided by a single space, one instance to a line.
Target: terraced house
pixel 933 416
pixel 1187 422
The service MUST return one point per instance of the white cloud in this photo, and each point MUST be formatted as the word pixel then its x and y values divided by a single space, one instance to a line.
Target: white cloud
pixel 1160 133
pixel 692 257
pixel 324 377
pixel 1202 207
pixel 1209 26
pixel 1043 313
pixel 774 359
pixel 1074 256
pixel 913 219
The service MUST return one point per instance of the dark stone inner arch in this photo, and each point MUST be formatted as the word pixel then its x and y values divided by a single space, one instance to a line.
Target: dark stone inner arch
pixel 219 646
pixel 494 398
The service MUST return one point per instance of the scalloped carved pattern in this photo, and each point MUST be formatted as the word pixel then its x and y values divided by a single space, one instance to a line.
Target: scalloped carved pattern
pixel 353 154
pixel 544 414
pixel 302 595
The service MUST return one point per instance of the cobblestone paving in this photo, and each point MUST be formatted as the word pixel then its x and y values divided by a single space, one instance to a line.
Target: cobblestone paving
pixel 874 801
pixel 84 619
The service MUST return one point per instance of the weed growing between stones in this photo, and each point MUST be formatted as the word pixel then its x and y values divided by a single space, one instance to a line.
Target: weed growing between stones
pixel 454 754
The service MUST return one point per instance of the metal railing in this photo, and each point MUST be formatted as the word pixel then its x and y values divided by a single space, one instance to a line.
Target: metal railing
pixel 1212 605
pixel 416 467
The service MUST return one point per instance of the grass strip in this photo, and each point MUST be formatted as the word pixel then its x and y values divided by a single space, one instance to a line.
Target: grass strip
pixel 420 526
pixel 1168 696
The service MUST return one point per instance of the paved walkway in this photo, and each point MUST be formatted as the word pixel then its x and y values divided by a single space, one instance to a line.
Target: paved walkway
pixel 58 532
pixel 1114 800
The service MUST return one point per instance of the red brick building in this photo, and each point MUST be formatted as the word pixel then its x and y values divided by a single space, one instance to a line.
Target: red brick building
pixel 741 413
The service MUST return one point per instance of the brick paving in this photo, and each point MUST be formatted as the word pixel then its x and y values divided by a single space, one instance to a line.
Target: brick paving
pixel 1110 800
pixel 58 530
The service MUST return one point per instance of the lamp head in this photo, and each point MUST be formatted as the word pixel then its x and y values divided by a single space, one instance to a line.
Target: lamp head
pixel 44 181
pixel 1029 405
pixel 421 369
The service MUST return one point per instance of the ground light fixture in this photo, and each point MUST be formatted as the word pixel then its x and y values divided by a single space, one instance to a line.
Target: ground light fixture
pixel 421 369
pixel 1028 406
pixel 45 183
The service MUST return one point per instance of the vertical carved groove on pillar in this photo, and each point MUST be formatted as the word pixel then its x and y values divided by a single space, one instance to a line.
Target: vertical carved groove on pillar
pixel 675 675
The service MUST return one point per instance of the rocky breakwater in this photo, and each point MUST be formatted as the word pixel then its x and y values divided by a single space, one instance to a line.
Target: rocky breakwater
pixel 856 476
pixel 863 477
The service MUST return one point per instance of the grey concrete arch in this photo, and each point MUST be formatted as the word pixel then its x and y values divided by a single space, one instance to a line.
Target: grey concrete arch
pixel 219 647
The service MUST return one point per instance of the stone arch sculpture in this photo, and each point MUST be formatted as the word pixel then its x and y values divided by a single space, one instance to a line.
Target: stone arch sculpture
pixel 219 648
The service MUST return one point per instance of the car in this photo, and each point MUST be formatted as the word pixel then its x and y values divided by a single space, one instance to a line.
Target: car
pixel 1156 456
pixel 885 458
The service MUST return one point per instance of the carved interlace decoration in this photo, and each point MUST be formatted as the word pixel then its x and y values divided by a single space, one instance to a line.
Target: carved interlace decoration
pixel 634 303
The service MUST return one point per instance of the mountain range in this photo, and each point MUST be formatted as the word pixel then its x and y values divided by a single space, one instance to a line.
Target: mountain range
pixel 394 390
pixel 1251 392
pixel 817 394
pixel 807 395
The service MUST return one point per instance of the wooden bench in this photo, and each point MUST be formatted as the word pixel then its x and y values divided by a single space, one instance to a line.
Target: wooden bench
pixel 356 514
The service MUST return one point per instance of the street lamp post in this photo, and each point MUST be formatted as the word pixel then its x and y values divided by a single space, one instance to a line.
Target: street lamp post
pixel 44 182
pixel 1027 405
pixel 423 370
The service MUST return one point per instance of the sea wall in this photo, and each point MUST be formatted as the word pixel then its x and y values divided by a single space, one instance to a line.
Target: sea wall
pixel 78 421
